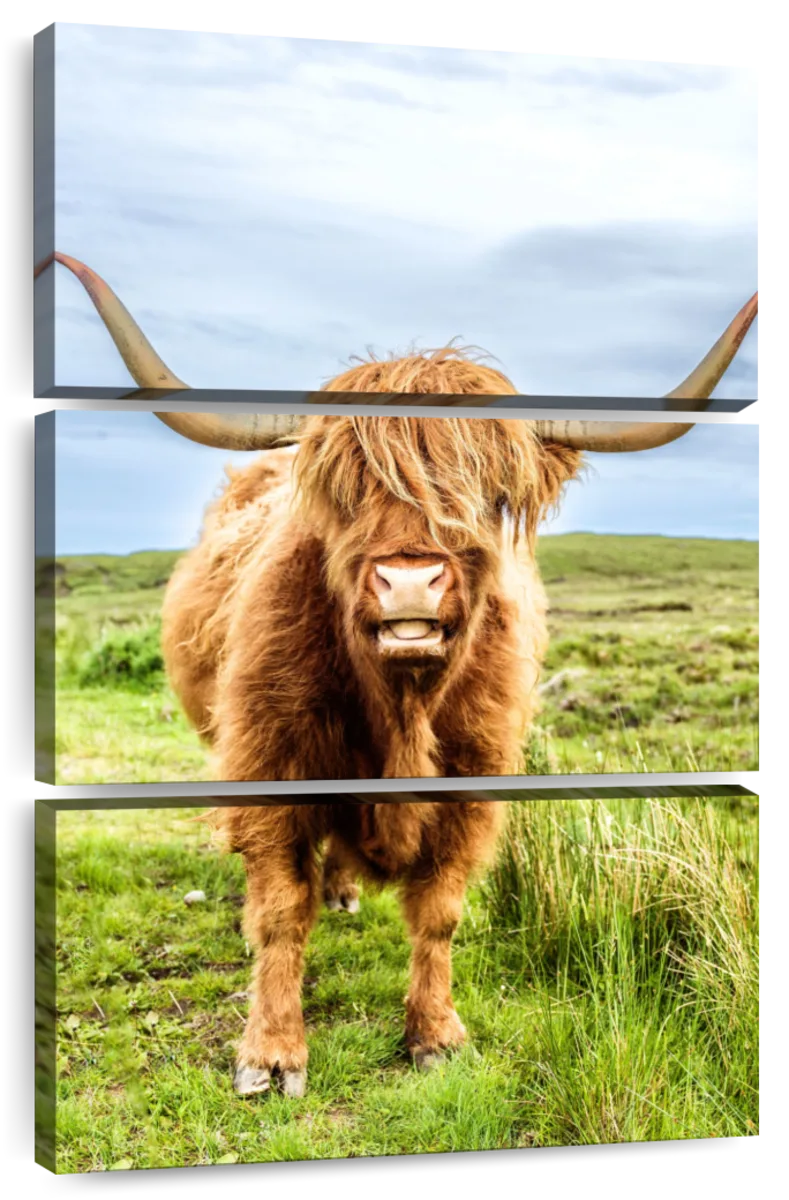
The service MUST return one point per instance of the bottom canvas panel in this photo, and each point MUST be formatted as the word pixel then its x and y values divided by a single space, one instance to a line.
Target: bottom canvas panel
pixel 602 945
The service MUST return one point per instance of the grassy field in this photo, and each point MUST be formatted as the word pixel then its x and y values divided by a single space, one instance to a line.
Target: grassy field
pixel 653 663
pixel 606 969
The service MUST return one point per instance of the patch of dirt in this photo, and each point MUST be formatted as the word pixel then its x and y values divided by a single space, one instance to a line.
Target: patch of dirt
pixel 317 1009
pixel 93 1014
pixel 216 1033
pixel 335 1116
pixel 168 973
pixel 677 716
pixel 668 606
pixel 75 1017
pixel 179 1008
pixel 339 1116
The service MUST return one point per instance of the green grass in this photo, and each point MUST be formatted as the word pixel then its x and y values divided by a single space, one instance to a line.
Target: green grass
pixel 606 970
pixel 653 663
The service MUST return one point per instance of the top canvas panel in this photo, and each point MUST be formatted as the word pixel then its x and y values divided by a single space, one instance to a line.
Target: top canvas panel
pixel 269 208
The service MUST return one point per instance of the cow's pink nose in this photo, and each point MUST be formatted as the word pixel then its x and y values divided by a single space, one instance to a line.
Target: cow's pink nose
pixel 410 593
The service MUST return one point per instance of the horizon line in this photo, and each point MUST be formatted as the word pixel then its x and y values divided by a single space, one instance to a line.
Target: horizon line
pixel 676 537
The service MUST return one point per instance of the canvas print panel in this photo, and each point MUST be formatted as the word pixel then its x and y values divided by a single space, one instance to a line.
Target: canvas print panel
pixel 606 972
pixel 372 600
pixel 268 208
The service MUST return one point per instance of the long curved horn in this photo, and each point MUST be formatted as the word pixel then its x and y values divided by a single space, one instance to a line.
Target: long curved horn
pixel 235 431
pixel 232 431
pixel 260 431
pixel 143 363
pixel 692 395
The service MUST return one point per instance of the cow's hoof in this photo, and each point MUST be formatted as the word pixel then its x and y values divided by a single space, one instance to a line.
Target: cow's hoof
pixel 293 1084
pixel 250 1081
pixel 428 1060
pixel 349 904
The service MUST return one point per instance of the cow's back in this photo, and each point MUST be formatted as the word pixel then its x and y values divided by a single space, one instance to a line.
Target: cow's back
pixel 198 601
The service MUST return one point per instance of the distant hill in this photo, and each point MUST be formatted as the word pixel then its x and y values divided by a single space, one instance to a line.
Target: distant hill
pixel 570 554
pixel 96 574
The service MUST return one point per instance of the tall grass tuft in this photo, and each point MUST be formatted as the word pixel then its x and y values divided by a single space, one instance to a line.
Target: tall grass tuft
pixel 634 891
pixel 640 919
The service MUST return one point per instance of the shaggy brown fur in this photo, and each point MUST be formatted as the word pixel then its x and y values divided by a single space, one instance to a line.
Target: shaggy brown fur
pixel 270 637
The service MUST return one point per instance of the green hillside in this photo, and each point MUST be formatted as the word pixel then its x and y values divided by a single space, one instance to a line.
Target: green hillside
pixel 653 664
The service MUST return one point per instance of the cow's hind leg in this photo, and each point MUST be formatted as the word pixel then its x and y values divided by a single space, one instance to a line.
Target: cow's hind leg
pixel 340 889
pixel 282 899
pixel 432 908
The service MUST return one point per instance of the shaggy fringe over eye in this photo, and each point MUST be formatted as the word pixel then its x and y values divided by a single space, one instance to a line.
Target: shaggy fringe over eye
pixel 461 473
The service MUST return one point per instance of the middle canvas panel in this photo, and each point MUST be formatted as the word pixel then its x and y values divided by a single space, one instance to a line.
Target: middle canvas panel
pixel 263 597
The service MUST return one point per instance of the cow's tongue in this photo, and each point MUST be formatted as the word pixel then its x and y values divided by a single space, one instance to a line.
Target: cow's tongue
pixel 409 631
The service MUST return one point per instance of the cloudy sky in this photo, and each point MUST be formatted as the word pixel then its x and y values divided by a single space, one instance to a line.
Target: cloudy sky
pixel 125 482
pixel 269 207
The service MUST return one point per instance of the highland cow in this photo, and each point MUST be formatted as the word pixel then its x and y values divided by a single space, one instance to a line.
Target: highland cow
pixel 364 603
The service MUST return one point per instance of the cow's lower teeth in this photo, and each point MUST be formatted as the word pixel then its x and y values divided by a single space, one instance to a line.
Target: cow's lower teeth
pixel 409 631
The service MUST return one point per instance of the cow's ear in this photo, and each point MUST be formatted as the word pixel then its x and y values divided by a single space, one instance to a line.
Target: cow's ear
pixel 558 464
pixel 555 465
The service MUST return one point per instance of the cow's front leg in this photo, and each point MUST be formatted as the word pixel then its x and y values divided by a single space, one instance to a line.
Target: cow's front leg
pixel 282 899
pixel 340 889
pixel 432 908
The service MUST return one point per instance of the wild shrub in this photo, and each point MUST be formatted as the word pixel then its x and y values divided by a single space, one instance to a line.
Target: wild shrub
pixel 125 658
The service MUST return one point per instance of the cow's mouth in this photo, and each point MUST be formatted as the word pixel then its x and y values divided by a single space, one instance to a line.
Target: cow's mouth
pixel 410 638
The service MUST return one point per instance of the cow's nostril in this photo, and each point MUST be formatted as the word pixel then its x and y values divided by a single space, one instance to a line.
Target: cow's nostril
pixel 440 578
pixel 381 581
